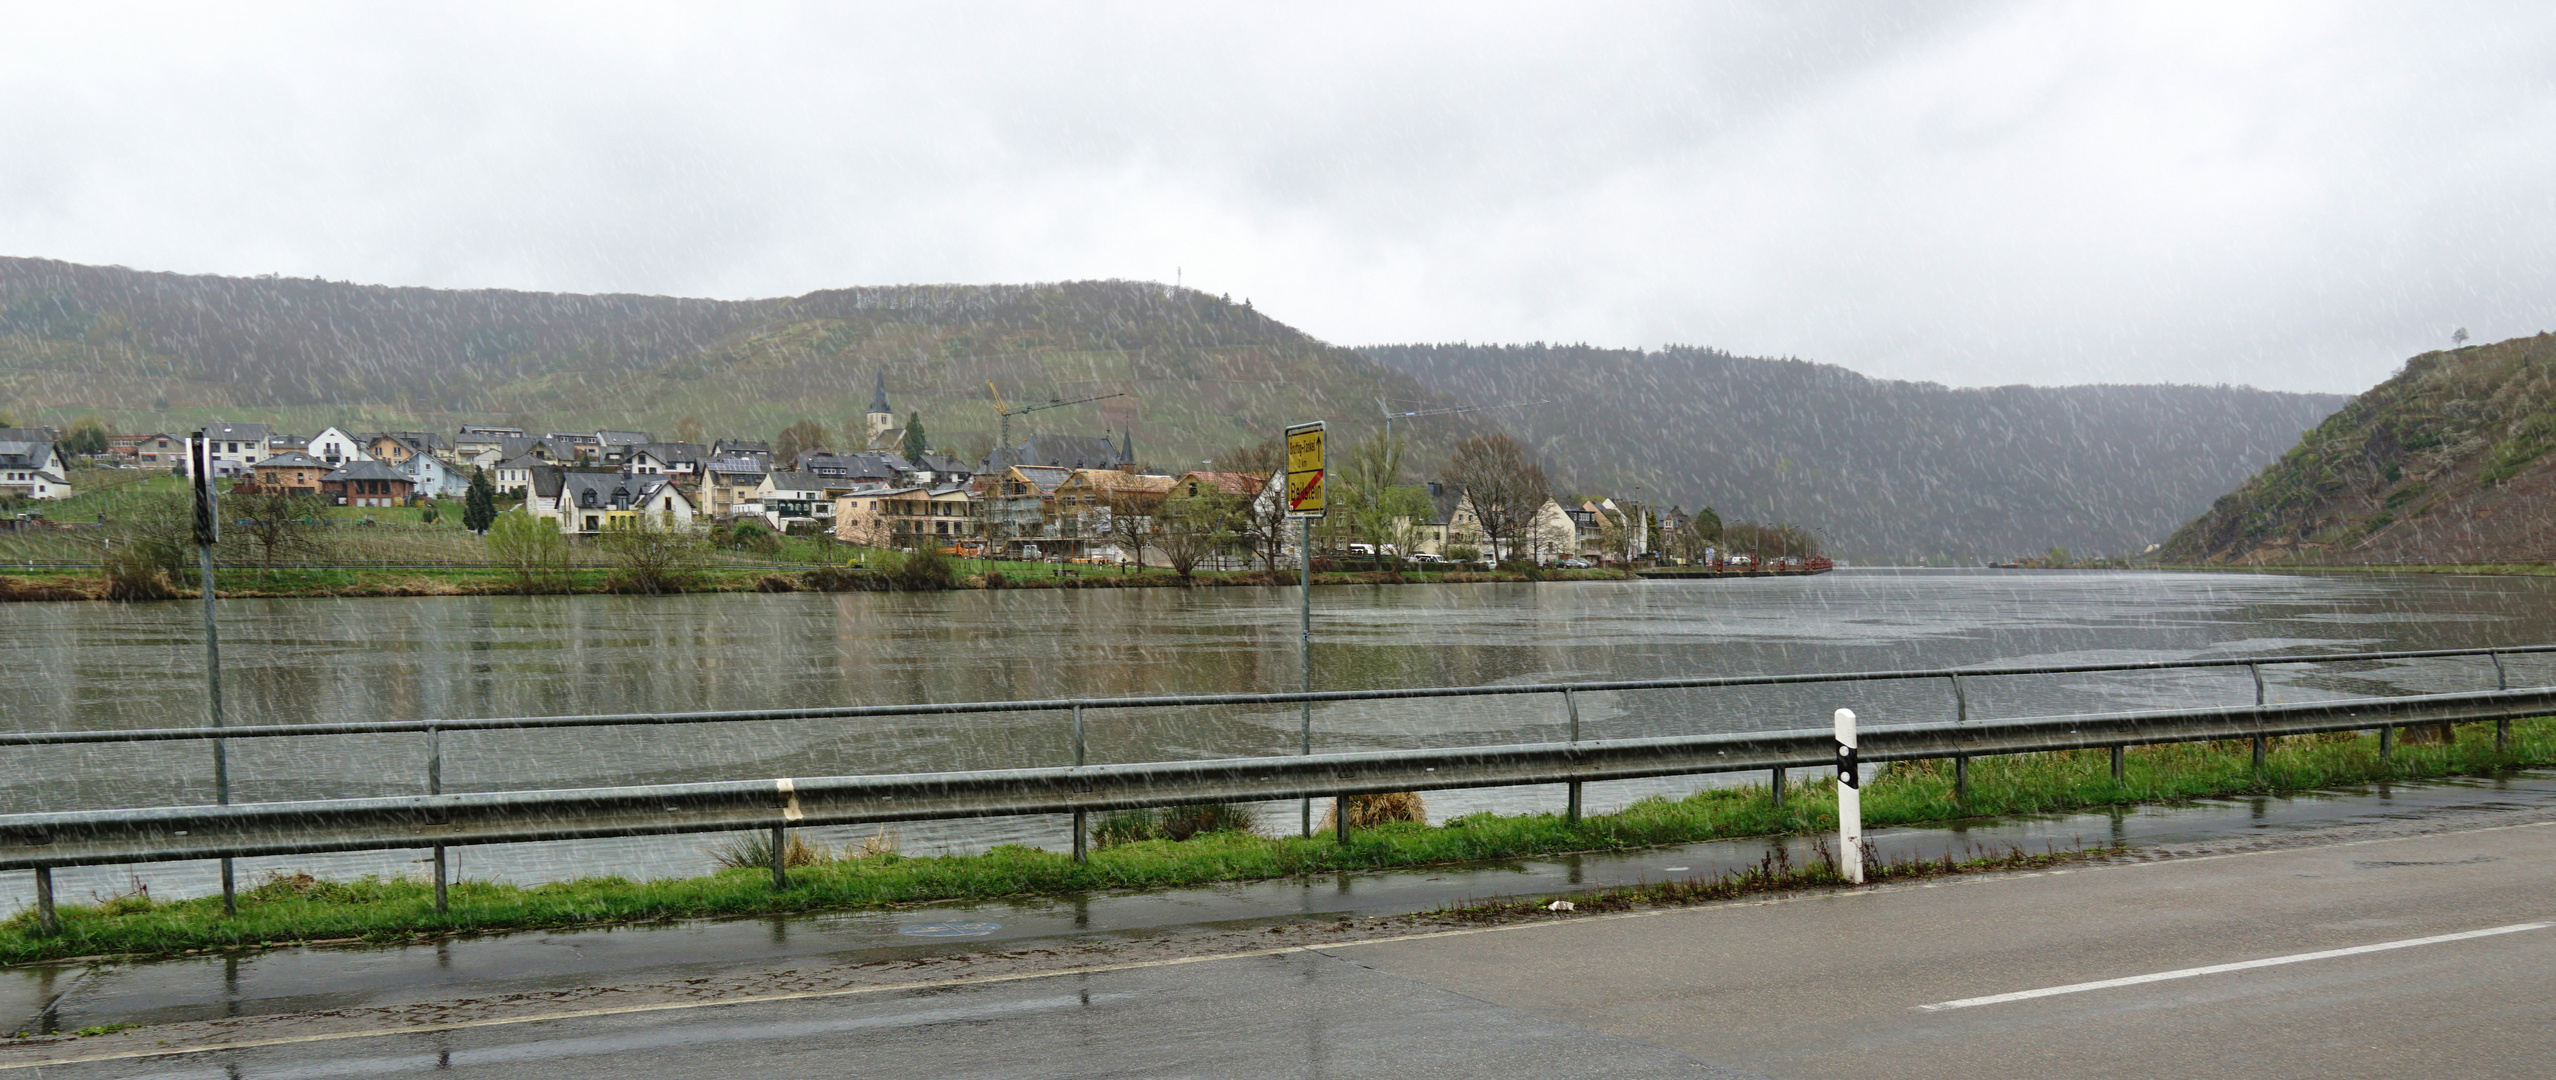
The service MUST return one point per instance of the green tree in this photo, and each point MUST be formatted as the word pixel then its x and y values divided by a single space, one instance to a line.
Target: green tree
pixel 479 505
pixel 529 548
pixel 88 436
pixel 916 443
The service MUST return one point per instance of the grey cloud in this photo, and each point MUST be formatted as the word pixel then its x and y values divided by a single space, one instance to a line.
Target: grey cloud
pixel 2294 197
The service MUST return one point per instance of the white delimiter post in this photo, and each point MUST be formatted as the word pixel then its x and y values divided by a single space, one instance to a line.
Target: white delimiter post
pixel 1850 802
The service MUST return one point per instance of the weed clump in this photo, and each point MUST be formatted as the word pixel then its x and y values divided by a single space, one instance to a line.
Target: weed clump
pixel 1369 811
pixel 1174 823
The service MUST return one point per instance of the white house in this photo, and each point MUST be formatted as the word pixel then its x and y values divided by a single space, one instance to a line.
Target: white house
pixel 513 476
pixel 30 468
pixel 793 497
pixel 336 446
pixel 435 479
pixel 232 449
pixel 587 503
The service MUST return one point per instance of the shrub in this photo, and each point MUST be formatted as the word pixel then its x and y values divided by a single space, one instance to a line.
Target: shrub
pixel 746 535
pixel 135 573
pixel 926 568
pixel 529 548
pixel 649 557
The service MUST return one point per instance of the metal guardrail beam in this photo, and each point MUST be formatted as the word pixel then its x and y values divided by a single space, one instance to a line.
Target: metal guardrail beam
pixel 515 723
pixel 157 834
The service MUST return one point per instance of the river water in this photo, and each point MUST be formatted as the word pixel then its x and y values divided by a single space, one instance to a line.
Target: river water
pixel 84 666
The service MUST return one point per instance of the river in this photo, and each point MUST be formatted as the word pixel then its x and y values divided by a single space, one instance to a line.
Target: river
pixel 92 665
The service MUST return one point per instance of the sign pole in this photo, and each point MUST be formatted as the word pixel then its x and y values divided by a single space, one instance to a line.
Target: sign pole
pixel 1304 492
pixel 1850 802
pixel 208 528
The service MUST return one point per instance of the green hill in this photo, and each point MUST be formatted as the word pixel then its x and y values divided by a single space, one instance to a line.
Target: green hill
pixel 157 351
pixel 2445 462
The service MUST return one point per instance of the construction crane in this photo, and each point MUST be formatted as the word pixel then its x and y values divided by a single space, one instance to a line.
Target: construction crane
pixel 1003 441
pixel 1390 416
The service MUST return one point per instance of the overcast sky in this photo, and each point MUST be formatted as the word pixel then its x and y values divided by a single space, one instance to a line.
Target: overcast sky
pixel 2293 197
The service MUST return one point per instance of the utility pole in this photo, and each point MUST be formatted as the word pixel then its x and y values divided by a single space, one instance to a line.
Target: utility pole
pixel 208 527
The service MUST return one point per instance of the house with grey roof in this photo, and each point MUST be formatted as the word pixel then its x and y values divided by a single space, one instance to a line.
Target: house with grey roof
pixel 590 503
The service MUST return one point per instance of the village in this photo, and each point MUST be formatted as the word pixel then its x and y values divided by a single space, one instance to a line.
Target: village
pixel 1050 498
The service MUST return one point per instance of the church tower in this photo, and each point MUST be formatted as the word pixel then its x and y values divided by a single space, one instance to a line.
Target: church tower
pixel 881 418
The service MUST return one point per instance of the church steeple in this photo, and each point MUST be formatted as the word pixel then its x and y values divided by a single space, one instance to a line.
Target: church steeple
pixel 881 418
pixel 1127 448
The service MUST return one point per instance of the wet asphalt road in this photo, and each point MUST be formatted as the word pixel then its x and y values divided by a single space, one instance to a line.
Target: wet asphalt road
pixel 1821 986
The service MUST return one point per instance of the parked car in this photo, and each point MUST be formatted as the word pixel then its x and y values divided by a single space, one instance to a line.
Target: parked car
pixel 1367 550
pixel 1742 560
pixel 1575 564
pixel 1423 557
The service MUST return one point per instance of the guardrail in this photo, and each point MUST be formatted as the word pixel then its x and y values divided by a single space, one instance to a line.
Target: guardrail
pixel 42 841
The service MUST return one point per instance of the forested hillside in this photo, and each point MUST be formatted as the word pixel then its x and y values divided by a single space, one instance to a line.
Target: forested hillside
pixel 2446 462
pixel 151 351
pixel 1885 469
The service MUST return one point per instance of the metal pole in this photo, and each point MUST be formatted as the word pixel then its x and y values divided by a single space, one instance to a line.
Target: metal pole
pixel 45 919
pixel 1572 705
pixel 1304 661
pixel 2502 727
pixel 780 855
pixel 2257 670
pixel 1080 831
pixel 1961 762
pixel 208 526
pixel 435 786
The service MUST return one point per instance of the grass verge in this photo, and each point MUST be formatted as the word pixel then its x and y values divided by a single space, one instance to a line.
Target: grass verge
pixel 300 909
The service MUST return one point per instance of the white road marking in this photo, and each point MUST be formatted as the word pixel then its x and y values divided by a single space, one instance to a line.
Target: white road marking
pixel 2243 965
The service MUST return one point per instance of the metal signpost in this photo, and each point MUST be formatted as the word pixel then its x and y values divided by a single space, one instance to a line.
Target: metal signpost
pixel 1850 802
pixel 208 531
pixel 1304 492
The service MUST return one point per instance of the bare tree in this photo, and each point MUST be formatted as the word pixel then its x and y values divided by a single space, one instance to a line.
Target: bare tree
pixel 279 522
pixel 1505 487
pixel 688 430
pixel 1189 529
pixel 794 440
pixel 1132 520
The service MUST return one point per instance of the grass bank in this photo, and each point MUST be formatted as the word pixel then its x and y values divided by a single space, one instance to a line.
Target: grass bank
pixel 2482 569
pixel 303 910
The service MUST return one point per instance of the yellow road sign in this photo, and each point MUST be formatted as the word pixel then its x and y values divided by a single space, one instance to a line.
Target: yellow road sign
pixel 1305 470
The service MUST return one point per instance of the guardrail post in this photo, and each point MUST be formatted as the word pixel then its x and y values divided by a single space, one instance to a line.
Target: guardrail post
pixel 435 786
pixel 2387 743
pixel 1961 762
pixel 1850 802
pixel 45 919
pixel 1081 853
pixel 2118 770
pixel 780 856
pixel 2257 670
pixel 1571 705
pixel 1775 784
pixel 2503 726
